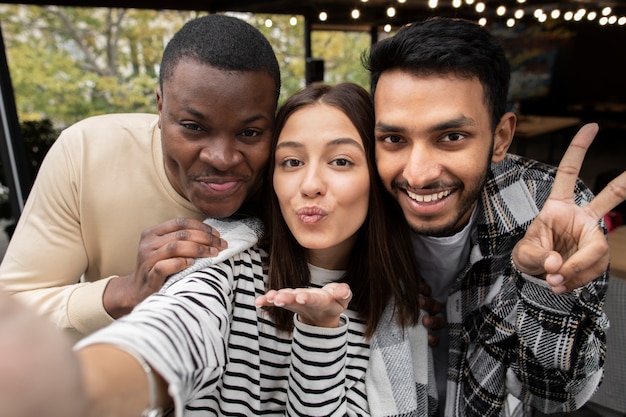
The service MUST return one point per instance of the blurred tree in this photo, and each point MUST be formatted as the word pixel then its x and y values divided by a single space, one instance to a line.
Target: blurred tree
pixel 341 52
pixel 68 63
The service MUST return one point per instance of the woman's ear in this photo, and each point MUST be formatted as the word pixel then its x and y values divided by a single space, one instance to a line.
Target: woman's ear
pixel 503 136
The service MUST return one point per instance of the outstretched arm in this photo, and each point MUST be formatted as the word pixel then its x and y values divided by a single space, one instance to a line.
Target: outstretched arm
pixel 564 243
pixel 39 374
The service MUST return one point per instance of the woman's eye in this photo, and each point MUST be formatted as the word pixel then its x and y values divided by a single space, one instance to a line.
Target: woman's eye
pixel 291 163
pixel 341 162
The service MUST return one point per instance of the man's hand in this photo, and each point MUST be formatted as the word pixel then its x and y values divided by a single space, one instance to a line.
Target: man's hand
pixel 319 307
pixel 163 250
pixel 433 321
pixel 39 373
pixel 564 243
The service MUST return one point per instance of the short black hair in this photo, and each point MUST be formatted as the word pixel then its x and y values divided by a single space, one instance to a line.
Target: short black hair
pixel 446 46
pixel 222 42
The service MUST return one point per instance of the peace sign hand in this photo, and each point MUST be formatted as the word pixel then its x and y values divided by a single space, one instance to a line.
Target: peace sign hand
pixel 564 243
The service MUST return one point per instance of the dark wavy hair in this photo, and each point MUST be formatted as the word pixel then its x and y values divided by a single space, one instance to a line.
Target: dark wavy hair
pixel 382 265
pixel 222 42
pixel 441 46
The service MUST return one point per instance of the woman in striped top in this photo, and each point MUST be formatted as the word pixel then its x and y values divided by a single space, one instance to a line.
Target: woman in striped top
pixel 283 326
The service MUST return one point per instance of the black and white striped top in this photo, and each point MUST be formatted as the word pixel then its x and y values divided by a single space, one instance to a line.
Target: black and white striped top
pixel 223 356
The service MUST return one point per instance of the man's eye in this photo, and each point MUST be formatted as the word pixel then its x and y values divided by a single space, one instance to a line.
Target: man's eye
pixel 453 137
pixel 250 133
pixel 392 139
pixel 192 126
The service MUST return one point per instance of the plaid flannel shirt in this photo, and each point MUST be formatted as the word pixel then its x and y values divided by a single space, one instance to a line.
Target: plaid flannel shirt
pixel 513 343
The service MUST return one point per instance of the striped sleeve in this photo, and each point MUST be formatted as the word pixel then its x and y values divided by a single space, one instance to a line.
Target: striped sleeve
pixel 181 333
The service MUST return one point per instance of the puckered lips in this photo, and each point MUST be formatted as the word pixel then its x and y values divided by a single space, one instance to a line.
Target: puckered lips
pixel 310 215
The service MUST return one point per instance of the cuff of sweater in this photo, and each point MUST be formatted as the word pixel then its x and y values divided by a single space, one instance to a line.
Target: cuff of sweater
pixel 85 309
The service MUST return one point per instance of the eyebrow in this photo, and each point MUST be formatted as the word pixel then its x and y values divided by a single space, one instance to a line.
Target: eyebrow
pixel 203 116
pixel 334 142
pixel 455 123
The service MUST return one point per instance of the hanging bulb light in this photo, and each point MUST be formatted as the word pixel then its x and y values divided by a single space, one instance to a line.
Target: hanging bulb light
pixel 391 11
pixel 293 20
pixel 323 16
pixel 387 28
pixel 355 13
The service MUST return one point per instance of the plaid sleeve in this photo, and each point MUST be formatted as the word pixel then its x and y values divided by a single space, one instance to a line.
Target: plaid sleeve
pixel 561 344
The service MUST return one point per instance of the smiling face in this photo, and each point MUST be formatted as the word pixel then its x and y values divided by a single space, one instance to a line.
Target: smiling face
pixel 216 128
pixel 321 180
pixel 434 144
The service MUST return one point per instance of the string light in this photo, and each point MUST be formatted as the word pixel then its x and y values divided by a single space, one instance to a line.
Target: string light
pixel 387 28
pixel 603 15
pixel 293 20
pixel 268 23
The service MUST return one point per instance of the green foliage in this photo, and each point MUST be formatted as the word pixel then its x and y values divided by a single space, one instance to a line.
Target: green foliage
pixel 69 63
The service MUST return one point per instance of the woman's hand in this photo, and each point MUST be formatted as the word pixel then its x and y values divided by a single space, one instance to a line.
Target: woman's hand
pixel 321 307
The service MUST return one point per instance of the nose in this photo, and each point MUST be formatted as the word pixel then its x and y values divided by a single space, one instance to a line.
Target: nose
pixel 423 166
pixel 221 153
pixel 313 182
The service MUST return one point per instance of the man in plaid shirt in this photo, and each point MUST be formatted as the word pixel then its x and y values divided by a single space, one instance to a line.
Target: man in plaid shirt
pixel 514 249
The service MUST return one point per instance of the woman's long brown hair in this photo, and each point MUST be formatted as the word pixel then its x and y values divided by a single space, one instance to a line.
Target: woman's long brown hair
pixel 382 265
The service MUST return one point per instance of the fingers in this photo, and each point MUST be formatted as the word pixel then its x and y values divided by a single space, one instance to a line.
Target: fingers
pixel 609 197
pixel 588 263
pixel 434 322
pixel 433 341
pixel 320 307
pixel 572 161
pixel 198 238
pixel 430 305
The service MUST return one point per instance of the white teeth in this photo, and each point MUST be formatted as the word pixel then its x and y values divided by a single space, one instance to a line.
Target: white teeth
pixel 428 197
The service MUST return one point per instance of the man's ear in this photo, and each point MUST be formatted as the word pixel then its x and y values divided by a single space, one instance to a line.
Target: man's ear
pixel 503 136
pixel 159 100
